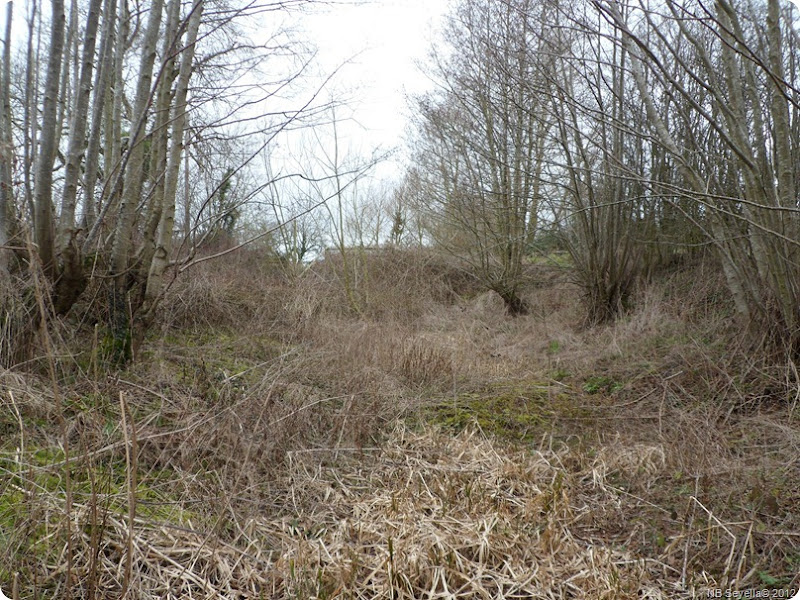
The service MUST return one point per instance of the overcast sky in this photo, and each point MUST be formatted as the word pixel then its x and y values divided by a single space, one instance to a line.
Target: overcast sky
pixel 376 46
pixel 381 42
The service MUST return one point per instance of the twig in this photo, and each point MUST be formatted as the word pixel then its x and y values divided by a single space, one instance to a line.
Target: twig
pixel 131 460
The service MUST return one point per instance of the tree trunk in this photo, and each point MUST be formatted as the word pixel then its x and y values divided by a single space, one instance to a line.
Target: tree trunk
pixel 71 278
pixel 515 305
pixel 102 84
pixel 120 309
pixel 6 153
pixel 29 145
pixel 43 196
pixel 163 242
pixel 159 136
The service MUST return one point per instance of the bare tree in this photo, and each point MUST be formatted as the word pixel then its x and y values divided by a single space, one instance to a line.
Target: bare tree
pixel 335 187
pixel 736 161
pixel 131 183
pixel 598 150
pixel 110 133
pixel 480 141
pixel 164 213
pixel 101 85
pixel 299 235
pixel 44 228
pixel 6 149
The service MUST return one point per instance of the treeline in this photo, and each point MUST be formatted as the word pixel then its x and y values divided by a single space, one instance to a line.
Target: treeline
pixel 115 115
pixel 639 133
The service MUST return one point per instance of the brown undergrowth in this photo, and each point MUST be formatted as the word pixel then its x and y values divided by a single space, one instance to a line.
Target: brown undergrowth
pixel 273 440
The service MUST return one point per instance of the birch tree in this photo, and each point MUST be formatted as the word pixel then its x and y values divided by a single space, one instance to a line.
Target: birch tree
pixel 165 211
pixel 71 278
pixel 105 134
pixel 44 227
pixel 6 151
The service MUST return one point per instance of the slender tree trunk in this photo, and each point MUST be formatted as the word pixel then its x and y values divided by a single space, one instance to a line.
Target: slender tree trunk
pixel 29 145
pixel 783 255
pixel 163 246
pixel 112 160
pixel 159 136
pixel 131 193
pixel 6 151
pixel 77 132
pixel 102 84
pixel 65 102
pixel 43 195
pixel 71 277
pixel 187 197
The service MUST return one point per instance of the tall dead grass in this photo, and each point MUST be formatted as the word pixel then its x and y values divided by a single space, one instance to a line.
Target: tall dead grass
pixel 276 445
pixel 18 322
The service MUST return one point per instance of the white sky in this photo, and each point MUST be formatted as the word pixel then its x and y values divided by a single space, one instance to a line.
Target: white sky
pixel 381 42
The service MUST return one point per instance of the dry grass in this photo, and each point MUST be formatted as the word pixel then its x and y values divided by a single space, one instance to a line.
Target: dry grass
pixel 18 322
pixel 279 445
pixel 458 517
pixel 429 515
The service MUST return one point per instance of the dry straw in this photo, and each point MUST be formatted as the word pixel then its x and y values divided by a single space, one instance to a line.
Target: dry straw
pixel 429 515
pixel 436 516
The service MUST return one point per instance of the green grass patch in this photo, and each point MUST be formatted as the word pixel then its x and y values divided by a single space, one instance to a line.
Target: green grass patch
pixel 210 357
pixel 38 480
pixel 34 519
pixel 513 410
pixel 601 385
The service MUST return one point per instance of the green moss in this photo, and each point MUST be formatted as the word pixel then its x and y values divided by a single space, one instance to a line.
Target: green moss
pixel 116 347
pixel 11 503
pixel 33 525
pixel 88 402
pixel 109 479
pixel 511 410
pixel 225 357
